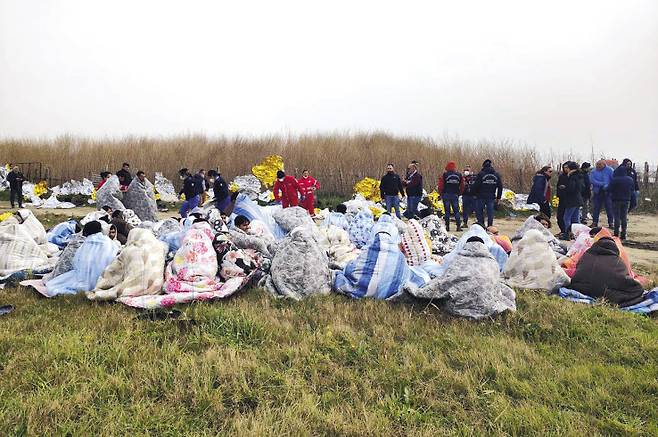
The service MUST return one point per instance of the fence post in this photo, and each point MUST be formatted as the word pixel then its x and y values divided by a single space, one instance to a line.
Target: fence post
pixel 645 176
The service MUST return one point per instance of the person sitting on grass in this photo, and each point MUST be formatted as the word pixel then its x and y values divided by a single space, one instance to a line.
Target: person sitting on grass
pixel 123 227
pixel 337 218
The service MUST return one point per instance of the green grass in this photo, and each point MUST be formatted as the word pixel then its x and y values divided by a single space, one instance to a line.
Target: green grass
pixel 330 365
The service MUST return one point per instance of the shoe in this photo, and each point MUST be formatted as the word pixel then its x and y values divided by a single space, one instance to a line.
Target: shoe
pixel 615 234
pixel 459 228
pixel 594 225
pixel 622 237
pixel 447 226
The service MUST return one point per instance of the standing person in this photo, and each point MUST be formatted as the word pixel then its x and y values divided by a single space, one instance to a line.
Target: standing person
pixel 636 187
pixel 221 192
pixel 585 168
pixel 125 177
pixel 468 196
pixel 573 198
pixel 561 187
pixel 451 185
pixel 414 188
pixel 105 175
pixel 201 186
pixel 189 190
pixel 15 179
pixel 488 189
pixel 601 177
pixel 307 186
pixel 540 193
pixel 621 190
pixel 390 188
pixel 286 190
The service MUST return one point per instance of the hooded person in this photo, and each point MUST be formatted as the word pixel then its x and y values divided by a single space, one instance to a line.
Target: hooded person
pixel 542 224
pixel 476 230
pixel 286 190
pixel 89 262
pixel 450 187
pixel 414 244
pixel 441 242
pixel 337 218
pixel 60 234
pixel 137 271
pixel 471 286
pixel 621 191
pixel 242 237
pixel 140 197
pixel 500 239
pixel 488 188
pixel 540 193
pixel 601 273
pixel 533 264
pixel 307 187
pixel 65 259
pixel 300 267
pixel 636 187
pixel 339 248
pixel 381 270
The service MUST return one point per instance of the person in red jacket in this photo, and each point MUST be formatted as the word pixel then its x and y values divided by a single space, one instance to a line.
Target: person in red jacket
pixel 286 190
pixel 307 186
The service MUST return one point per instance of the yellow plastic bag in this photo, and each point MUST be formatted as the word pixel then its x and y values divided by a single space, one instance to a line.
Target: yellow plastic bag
pixel 368 188
pixel 266 170
pixel 555 202
pixel 41 188
pixel 5 216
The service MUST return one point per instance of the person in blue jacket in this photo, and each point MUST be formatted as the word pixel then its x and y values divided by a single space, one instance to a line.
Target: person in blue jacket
pixel 600 178
pixel 488 188
pixel 621 189
pixel 540 193
pixel 468 196
pixel 636 187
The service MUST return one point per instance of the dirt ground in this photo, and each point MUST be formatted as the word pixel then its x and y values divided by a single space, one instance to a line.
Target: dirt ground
pixel 642 243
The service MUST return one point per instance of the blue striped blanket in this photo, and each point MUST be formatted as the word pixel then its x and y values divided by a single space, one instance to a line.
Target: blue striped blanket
pixel 61 233
pixel 648 305
pixel 250 209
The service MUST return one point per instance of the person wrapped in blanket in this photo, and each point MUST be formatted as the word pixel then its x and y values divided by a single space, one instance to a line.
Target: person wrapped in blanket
pixel 541 223
pixel 60 234
pixel 233 262
pixel 601 273
pixel 477 230
pixel 337 218
pixel 381 270
pixel 140 197
pixel 89 262
pixel 360 228
pixel 471 285
pixel 243 237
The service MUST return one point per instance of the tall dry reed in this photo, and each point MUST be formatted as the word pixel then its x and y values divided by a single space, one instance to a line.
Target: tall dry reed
pixel 337 160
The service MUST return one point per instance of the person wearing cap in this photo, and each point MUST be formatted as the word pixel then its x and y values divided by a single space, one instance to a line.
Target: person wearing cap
pixel 15 179
pixel 488 188
pixel 635 195
pixel 572 198
pixel 221 192
pixel 286 190
pixel 540 193
pixel 468 196
pixel 585 169
pixel 600 178
pixel 450 187
pixel 189 190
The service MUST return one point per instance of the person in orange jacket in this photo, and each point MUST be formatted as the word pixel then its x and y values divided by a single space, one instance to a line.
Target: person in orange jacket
pixel 286 190
pixel 307 186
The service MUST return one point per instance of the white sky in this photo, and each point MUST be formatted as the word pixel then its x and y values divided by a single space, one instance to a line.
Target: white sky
pixel 550 74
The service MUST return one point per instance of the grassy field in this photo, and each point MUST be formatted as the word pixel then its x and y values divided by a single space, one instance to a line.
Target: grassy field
pixel 255 365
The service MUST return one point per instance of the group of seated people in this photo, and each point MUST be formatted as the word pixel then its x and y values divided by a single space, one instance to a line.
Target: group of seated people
pixel 208 255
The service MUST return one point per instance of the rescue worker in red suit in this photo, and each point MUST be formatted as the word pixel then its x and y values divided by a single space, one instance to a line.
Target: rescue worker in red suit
pixel 307 186
pixel 286 190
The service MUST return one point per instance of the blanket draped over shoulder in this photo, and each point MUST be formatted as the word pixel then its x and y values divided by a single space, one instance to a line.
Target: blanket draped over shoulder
pixel 336 219
pixel 533 264
pixel 137 271
pixel 23 246
pixel 339 248
pixel 442 241
pixel 414 244
pixel 110 195
pixel 59 235
pixel 380 271
pixel 65 260
pixel 471 286
pixel 360 228
pixel 140 197
pixel 300 267
pixel 475 230
pixel 250 209
pixel 89 262
pixel 531 223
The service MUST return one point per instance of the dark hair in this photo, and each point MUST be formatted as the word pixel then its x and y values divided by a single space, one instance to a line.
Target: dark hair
pixel 91 228
pixel 280 174
pixel 542 217
pixel 585 165
pixel 390 165
pixel 140 173
pixel 304 170
pixel 183 171
pixel 480 225
pixel 212 173
pixel 117 214
pixel 78 228
pixel 341 208
pixel 240 220
pixel 594 231
pixel 125 164
pixel 487 163
pixel 105 174
pixel 199 220
pixel 626 161
pixel 573 165
pixel 475 239
pixel 106 208
pixel 544 169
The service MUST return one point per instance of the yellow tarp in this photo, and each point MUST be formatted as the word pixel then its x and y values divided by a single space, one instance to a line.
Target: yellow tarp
pixel 368 188
pixel 41 188
pixel 5 216
pixel 266 170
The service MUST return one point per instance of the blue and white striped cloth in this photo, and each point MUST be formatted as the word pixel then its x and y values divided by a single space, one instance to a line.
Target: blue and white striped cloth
pixel 89 262
pixel 250 209
pixel 648 305
pixel 61 233
pixel 381 270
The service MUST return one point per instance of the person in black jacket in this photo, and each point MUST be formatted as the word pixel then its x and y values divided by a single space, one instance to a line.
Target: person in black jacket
pixel 15 179
pixel 125 178
pixel 572 198
pixel 585 168
pixel 621 189
pixel 390 188
pixel 561 186
pixel 221 192
pixel 540 193
pixel 468 197
pixel 488 188
pixel 189 190
pixel 450 186
pixel 636 187
pixel 413 183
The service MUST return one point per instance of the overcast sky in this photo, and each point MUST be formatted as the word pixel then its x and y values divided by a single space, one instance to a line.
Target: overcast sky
pixel 555 75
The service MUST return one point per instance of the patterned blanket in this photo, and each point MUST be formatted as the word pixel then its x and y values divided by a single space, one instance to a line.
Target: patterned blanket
pixel 140 197
pixel 61 233
pixel 475 230
pixel 110 195
pixel 360 228
pixel 23 246
pixel 648 305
